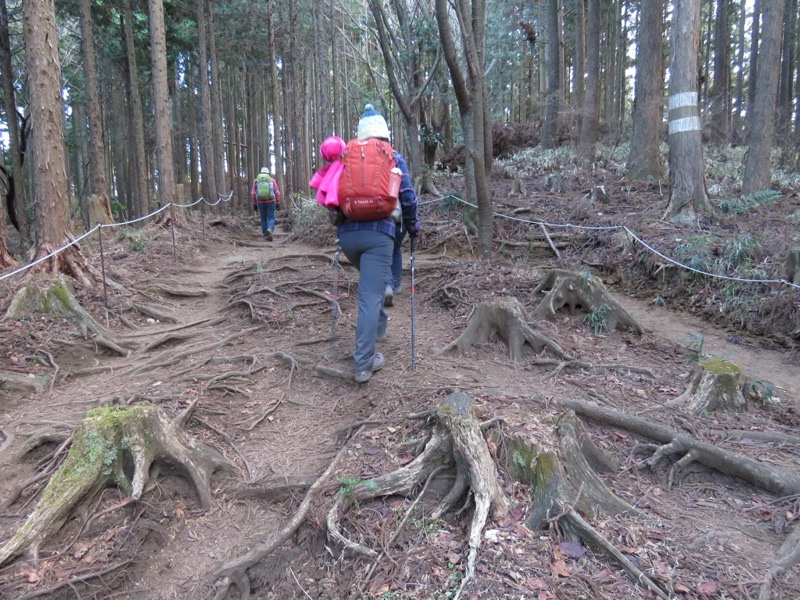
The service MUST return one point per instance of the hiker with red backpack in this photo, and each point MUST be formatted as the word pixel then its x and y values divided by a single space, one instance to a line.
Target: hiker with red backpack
pixel 266 199
pixel 371 180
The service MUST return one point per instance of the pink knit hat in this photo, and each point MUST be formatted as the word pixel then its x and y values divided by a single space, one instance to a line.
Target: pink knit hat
pixel 332 148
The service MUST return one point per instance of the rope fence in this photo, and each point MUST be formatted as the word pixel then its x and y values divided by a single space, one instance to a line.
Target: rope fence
pixel 627 230
pixel 100 226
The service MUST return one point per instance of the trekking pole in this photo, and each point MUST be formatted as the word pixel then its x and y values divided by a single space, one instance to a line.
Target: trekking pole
pixel 335 295
pixel 413 293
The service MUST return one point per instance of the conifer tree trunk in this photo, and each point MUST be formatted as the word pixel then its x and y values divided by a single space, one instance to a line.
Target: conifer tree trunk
pixel 591 104
pixel 50 192
pixel 98 203
pixel 158 50
pixel 216 105
pixel 17 198
pixel 206 128
pixel 139 189
pixel 551 74
pixel 688 199
pixel 644 160
pixel 720 110
pixel 757 170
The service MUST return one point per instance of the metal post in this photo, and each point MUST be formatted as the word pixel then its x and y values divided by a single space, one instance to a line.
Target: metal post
pixel 335 295
pixel 102 262
pixel 413 293
pixel 172 229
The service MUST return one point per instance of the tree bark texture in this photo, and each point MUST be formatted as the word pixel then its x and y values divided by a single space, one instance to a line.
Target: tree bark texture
pixel 49 160
pixel 591 104
pixel 158 50
pixel 688 198
pixel 98 204
pixel 139 189
pixel 644 161
pixel 757 170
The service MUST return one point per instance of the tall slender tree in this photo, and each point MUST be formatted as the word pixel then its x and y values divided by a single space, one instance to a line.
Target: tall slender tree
pixel 644 160
pixel 469 87
pixel 688 198
pixel 757 171
pixel 139 189
pixel 206 115
pixel 551 73
pixel 591 104
pixel 158 55
pixel 720 113
pixel 99 209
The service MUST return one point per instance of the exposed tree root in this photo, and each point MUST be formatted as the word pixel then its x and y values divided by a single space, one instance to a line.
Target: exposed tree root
pixel 20 383
pixel 175 291
pixel 579 364
pixel 105 441
pixel 788 556
pixel 234 572
pixel 757 473
pixel 456 439
pixel 581 290
pixel 57 296
pixel 503 317
pixel 153 312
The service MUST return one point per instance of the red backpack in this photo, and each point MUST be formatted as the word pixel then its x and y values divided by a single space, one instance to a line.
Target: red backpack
pixel 368 188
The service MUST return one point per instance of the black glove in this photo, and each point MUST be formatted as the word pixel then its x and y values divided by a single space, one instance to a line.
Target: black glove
pixel 277 206
pixel 255 207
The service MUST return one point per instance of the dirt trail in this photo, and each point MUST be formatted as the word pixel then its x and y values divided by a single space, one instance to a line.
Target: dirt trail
pixel 780 368
pixel 307 413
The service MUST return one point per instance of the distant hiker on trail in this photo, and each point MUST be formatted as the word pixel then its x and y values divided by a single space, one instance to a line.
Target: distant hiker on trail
pixel 361 188
pixel 266 200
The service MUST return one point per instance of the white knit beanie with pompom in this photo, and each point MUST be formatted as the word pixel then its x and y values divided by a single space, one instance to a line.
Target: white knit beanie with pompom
pixel 372 124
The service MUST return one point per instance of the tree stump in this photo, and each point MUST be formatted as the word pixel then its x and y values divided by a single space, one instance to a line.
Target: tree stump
pixel 585 292
pixel 457 441
pixel 55 295
pixel 106 441
pixel 505 318
pixel 791 266
pixel 714 386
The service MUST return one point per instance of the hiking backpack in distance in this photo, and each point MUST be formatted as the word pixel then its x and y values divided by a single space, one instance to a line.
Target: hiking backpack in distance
pixel 365 189
pixel 265 189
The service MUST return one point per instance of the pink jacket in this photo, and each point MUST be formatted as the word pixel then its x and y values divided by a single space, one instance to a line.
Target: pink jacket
pixel 326 179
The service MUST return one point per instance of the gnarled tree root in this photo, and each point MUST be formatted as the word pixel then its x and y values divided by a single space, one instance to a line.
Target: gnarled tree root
pixel 503 317
pixel 564 484
pixel 581 290
pixel 56 295
pixel 105 441
pixel 777 481
pixel 456 437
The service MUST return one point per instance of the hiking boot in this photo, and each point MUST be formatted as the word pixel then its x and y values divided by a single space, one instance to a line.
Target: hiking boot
pixel 388 296
pixel 268 235
pixel 398 290
pixel 382 337
pixel 377 364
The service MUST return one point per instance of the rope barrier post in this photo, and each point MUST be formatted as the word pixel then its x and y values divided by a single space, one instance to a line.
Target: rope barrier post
pixel 172 229
pixel 203 213
pixel 102 262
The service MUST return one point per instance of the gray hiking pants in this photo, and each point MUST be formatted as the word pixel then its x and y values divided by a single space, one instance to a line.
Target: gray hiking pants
pixel 371 253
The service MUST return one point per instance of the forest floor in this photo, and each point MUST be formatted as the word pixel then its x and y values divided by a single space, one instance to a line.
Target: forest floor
pixel 245 330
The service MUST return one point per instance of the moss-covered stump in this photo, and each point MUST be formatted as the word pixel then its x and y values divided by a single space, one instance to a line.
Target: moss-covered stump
pixel 56 296
pixel 505 318
pixel 582 291
pixel 714 385
pixel 107 441
pixel 791 266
